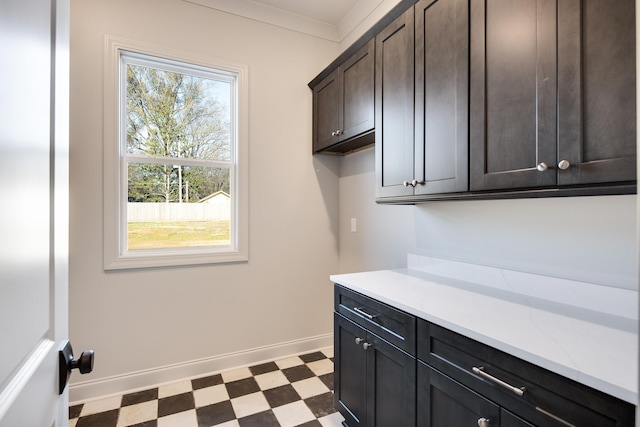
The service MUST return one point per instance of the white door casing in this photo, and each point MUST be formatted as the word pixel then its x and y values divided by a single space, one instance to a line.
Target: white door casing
pixel 34 210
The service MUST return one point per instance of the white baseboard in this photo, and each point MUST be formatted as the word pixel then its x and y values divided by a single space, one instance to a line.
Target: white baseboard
pixel 135 381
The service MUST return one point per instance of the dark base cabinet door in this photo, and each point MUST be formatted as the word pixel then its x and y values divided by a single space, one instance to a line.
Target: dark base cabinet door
pixel 443 402
pixel 391 385
pixel 350 376
pixel 374 382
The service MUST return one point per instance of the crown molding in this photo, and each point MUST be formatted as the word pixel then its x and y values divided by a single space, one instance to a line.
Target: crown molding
pixel 292 21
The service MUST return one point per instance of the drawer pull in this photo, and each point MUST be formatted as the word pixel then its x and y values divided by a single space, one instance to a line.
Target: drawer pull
pixel 359 340
pixel 484 422
pixel 365 314
pixel 480 371
pixel 367 345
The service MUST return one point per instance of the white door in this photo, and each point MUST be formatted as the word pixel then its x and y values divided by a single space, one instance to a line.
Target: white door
pixel 34 94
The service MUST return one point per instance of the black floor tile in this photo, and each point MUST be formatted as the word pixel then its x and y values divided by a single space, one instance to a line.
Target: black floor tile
pixel 102 419
pixel 151 423
pixel 139 397
pixel 264 368
pixel 261 419
pixel 321 405
pixel 312 357
pixel 327 379
pixel 174 404
pixel 281 395
pixel 297 373
pixel 242 387
pixel 74 411
pixel 218 413
pixel 205 382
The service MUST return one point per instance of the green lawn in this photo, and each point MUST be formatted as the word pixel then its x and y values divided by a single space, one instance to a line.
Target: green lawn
pixel 158 235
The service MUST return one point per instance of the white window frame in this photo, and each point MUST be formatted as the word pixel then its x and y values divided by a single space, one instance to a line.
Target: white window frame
pixel 116 257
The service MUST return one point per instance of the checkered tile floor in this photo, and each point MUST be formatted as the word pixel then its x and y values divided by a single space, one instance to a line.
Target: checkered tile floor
pixel 297 391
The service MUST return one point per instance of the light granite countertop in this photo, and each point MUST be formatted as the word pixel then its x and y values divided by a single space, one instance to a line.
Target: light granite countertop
pixel 583 331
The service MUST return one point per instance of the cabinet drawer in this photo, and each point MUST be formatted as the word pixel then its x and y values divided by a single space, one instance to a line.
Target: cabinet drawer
pixel 536 394
pixel 395 326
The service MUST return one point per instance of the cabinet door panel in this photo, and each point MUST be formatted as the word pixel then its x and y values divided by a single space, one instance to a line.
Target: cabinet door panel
pixel 358 92
pixel 394 107
pixel 327 111
pixel 596 84
pixel 441 134
pixel 513 93
pixel 443 402
pixel 350 371
pixel 390 386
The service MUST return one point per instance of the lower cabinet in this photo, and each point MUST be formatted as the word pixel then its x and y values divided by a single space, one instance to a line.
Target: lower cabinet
pixel 374 381
pixel 392 369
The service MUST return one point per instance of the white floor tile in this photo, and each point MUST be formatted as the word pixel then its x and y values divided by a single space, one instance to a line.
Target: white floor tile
pixel 271 380
pixel 181 419
pixel 289 362
pixel 210 395
pixel 174 388
pixel 332 420
pixel 249 404
pixel 135 414
pixel 310 387
pixel 293 414
pixel 236 374
pixel 101 405
pixel 321 367
pixel 328 351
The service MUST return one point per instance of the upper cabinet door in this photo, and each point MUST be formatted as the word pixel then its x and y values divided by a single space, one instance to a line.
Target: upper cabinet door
pixel 326 111
pixel 597 88
pixel 513 94
pixel 343 104
pixel 394 107
pixel 358 92
pixel 441 96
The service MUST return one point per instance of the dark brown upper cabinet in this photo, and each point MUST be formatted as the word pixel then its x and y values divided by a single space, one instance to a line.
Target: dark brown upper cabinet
pixel 441 96
pixel 552 96
pixel 422 101
pixel 596 91
pixel 395 108
pixel 343 105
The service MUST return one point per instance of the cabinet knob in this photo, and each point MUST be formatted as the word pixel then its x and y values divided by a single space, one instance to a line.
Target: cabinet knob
pixel 542 166
pixel 406 183
pixel 483 422
pixel 338 132
pixel 359 340
pixel 334 133
pixel 415 182
pixel 366 345
pixel 564 164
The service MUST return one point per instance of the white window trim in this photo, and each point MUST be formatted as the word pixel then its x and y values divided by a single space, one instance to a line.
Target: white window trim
pixel 114 258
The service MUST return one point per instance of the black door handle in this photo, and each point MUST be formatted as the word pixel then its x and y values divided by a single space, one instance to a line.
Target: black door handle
pixel 66 363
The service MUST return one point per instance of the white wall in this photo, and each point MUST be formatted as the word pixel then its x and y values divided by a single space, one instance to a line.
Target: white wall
pixel 591 239
pixel 146 320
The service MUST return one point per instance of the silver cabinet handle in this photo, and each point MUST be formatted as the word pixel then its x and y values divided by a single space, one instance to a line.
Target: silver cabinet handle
pixel 406 183
pixel 334 133
pixel 365 314
pixel 366 345
pixel 517 390
pixel 564 164
pixel 542 166
pixel 483 422
pixel 416 182
pixel 359 340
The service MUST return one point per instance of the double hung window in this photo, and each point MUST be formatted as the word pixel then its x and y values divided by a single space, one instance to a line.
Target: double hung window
pixel 175 169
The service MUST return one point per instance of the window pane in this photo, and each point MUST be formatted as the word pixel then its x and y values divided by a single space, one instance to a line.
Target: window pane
pixel 177 115
pixel 173 206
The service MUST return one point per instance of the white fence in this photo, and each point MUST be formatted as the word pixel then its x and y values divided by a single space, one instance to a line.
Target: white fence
pixel 170 212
